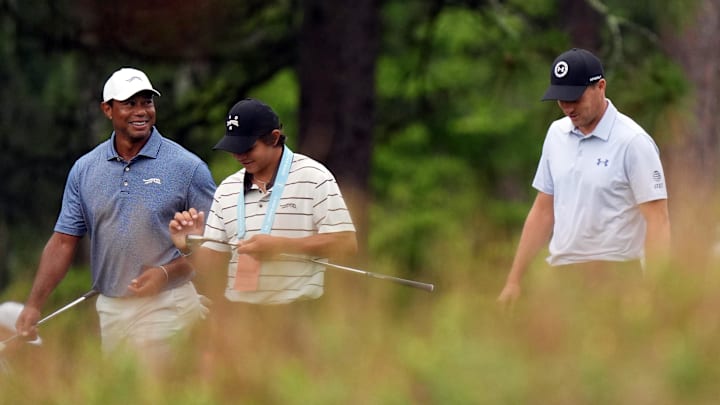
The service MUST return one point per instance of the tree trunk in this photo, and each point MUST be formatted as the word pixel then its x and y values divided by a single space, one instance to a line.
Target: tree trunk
pixel 337 54
pixel 583 23
pixel 692 160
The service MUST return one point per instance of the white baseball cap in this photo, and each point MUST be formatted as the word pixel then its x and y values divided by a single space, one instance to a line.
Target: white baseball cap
pixel 125 83
pixel 9 313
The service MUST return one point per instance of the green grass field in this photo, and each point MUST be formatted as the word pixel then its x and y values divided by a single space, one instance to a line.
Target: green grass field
pixel 372 342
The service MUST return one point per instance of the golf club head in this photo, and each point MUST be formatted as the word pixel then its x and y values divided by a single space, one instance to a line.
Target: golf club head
pixel 89 294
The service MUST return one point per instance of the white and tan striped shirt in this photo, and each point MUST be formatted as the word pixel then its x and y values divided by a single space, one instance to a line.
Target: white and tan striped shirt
pixel 311 204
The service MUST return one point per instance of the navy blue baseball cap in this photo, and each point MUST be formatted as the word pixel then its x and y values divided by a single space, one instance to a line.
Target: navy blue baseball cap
pixel 571 73
pixel 247 120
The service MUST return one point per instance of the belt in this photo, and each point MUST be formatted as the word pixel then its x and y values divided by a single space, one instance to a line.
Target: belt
pixel 604 265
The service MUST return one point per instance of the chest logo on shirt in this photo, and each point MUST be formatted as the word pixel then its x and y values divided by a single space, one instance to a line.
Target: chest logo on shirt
pixel 153 180
pixel 603 162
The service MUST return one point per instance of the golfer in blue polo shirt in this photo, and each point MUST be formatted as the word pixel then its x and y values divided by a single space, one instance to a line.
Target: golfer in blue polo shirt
pixel 602 197
pixel 121 195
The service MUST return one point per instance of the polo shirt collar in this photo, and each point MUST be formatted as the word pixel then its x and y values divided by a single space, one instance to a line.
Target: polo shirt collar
pixel 247 180
pixel 150 150
pixel 603 128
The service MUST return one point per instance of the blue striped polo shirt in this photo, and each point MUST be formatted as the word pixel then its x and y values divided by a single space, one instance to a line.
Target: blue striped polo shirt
pixel 125 207
pixel 597 182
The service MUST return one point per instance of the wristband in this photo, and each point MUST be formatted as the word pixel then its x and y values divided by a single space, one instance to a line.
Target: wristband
pixel 167 276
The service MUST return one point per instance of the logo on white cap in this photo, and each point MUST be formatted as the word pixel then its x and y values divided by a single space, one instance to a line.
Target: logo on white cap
pixel 561 69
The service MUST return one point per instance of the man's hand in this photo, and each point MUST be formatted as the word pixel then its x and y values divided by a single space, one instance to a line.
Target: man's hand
pixel 509 294
pixel 26 323
pixel 261 245
pixel 150 282
pixel 190 222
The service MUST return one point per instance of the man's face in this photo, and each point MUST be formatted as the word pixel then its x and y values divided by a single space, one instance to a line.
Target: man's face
pixel 586 111
pixel 259 160
pixel 132 118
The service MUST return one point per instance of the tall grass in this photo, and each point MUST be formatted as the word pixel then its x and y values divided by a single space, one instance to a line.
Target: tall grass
pixel 371 342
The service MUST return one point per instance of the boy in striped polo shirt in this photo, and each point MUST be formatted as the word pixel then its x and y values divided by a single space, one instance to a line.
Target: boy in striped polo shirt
pixel 279 202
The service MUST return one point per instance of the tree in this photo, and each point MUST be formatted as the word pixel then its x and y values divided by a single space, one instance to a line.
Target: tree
pixel 338 48
pixel 694 156
pixel 204 55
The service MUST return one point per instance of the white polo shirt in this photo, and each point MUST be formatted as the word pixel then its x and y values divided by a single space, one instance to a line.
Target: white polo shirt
pixel 311 204
pixel 597 182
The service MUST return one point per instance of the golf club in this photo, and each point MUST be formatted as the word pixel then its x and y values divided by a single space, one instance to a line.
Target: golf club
pixel 195 239
pixel 85 296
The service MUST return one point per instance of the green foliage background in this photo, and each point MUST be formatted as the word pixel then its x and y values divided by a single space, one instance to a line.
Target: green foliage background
pixel 458 134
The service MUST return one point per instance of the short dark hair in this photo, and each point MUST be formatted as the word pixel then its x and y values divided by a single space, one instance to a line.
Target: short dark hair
pixel 269 140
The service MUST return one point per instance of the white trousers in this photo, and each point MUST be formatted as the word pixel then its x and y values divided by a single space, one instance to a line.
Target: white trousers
pixel 148 322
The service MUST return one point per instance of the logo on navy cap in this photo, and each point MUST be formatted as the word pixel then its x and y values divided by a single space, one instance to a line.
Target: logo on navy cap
pixel 232 121
pixel 561 69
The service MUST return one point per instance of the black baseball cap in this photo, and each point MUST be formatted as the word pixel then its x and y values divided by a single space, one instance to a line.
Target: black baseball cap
pixel 247 120
pixel 571 73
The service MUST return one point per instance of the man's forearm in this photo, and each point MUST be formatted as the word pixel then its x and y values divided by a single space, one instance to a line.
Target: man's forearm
pixel 178 268
pixel 324 244
pixel 657 243
pixel 54 264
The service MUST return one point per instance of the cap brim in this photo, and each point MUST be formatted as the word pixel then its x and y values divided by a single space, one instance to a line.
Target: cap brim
pixel 129 93
pixel 236 144
pixel 563 93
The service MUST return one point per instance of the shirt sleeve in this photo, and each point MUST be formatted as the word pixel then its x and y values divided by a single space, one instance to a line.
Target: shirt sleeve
pixel 202 189
pixel 331 213
pixel 644 170
pixel 543 180
pixel 216 227
pixel 71 220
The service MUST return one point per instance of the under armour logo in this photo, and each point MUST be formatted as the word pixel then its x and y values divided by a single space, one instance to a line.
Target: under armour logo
pixel 561 69
pixel 232 121
pixel 603 162
pixel 133 78
pixel 151 181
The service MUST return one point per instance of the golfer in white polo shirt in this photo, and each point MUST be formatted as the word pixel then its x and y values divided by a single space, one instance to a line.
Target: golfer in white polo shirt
pixel 602 198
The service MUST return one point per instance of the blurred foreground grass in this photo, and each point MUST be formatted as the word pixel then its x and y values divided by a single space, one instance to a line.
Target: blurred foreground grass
pixel 371 342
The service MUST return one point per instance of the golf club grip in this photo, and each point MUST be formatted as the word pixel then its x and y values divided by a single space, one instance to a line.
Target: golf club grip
pixel 90 294
pixel 85 296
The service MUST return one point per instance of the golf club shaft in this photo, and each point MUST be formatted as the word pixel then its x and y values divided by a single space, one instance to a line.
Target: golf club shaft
pixel 57 312
pixel 410 283
pixel 85 296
